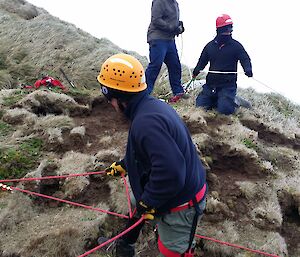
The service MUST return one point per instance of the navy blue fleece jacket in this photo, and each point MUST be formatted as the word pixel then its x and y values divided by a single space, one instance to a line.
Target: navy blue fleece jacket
pixel 223 58
pixel 161 160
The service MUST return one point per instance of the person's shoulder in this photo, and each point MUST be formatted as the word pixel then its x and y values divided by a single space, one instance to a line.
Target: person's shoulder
pixel 236 42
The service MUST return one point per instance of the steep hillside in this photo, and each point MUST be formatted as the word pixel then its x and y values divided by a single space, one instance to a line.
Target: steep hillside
pixel 252 164
pixel 34 43
pixel 252 158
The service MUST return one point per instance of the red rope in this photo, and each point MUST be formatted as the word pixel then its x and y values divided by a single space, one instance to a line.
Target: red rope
pixel 114 238
pixel 4 187
pixel 68 202
pixel 128 196
pixel 52 177
pixel 236 246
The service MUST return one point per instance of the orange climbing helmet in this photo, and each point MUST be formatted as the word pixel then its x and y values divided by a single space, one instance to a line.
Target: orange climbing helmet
pixel 124 73
pixel 223 20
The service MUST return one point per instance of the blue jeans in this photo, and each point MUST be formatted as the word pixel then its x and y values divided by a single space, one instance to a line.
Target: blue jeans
pixel 164 51
pixel 221 98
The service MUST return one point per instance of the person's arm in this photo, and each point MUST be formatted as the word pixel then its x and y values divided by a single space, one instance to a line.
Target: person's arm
pixel 202 62
pixel 245 61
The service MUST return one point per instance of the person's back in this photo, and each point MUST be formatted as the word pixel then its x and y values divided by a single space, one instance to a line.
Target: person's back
pixel 164 20
pixel 162 144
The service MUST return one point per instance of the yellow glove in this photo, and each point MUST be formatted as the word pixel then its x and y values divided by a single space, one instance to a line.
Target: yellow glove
pixel 143 209
pixel 116 169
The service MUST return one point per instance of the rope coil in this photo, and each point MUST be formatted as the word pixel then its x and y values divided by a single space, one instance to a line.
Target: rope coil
pixel 5 187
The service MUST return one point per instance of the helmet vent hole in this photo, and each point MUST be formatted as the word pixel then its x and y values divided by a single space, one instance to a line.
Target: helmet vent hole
pixel 132 86
pixel 135 76
pixel 130 76
pixel 114 69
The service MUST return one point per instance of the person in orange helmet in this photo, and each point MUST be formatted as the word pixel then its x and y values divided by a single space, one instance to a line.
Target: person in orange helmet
pixel 165 173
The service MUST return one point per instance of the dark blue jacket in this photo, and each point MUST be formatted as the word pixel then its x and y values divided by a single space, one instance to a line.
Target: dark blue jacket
pixel 162 162
pixel 223 58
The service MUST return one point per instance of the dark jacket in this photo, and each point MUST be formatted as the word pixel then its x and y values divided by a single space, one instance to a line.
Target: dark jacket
pixel 164 20
pixel 223 57
pixel 162 162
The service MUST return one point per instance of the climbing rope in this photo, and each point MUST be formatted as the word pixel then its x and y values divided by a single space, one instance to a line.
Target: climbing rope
pixel 10 188
pixel 236 246
pixel 114 238
pixel 51 177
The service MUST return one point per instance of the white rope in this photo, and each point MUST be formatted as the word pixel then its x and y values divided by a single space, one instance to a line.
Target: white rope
pixel 222 72
pixel 233 72
pixel 266 86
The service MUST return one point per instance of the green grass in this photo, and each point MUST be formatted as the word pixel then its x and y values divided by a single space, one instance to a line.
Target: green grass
pixel 4 128
pixel 16 162
pixel 2 205
pixel 14 98
pixel 249 143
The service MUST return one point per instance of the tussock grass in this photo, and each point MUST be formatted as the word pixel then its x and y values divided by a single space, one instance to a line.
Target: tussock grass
pixel 74 162
pixel 19 116
pixel 54 122
pixel 17 161
pixel 275 110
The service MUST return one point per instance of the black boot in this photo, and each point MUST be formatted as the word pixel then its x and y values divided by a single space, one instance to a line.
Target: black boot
pixel 123 249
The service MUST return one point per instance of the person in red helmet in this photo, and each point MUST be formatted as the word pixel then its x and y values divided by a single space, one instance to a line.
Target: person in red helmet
pixel 223 54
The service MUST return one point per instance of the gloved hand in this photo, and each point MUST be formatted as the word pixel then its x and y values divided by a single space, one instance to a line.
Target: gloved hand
pixel 116 169
pixel 143 209
pixel 249 73
pixel 180 29
pixel 195 74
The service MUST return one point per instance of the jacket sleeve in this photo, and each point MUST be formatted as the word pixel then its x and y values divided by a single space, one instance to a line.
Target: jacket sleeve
pixel 202 62
pixel 157 17
pixel 167 175
pixel 244 59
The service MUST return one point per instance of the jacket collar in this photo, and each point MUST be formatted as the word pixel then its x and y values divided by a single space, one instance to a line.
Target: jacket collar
pixel 132 106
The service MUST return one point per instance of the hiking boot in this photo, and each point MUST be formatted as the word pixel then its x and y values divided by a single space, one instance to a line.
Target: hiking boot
pixel 123 249
pixel 241 102
pixel 118 248
pixel 177 97
pixel 109 248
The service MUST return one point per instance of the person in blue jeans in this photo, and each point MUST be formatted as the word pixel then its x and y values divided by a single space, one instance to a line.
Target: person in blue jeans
pixel 223 54
pixel 163 28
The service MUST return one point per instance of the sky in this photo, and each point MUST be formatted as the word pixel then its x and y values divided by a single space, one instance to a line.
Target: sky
pixel 267 30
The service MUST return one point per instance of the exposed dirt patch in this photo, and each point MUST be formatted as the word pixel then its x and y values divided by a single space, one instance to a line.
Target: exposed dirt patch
pixel 102 121
pixel 271 137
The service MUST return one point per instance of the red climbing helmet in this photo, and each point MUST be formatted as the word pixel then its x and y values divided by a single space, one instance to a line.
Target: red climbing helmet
pixel 223 20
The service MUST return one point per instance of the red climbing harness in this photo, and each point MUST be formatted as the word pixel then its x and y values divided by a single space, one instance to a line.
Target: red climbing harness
pixel 199 196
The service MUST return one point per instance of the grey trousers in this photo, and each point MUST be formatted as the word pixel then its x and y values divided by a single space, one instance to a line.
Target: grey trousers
pixel 174 229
